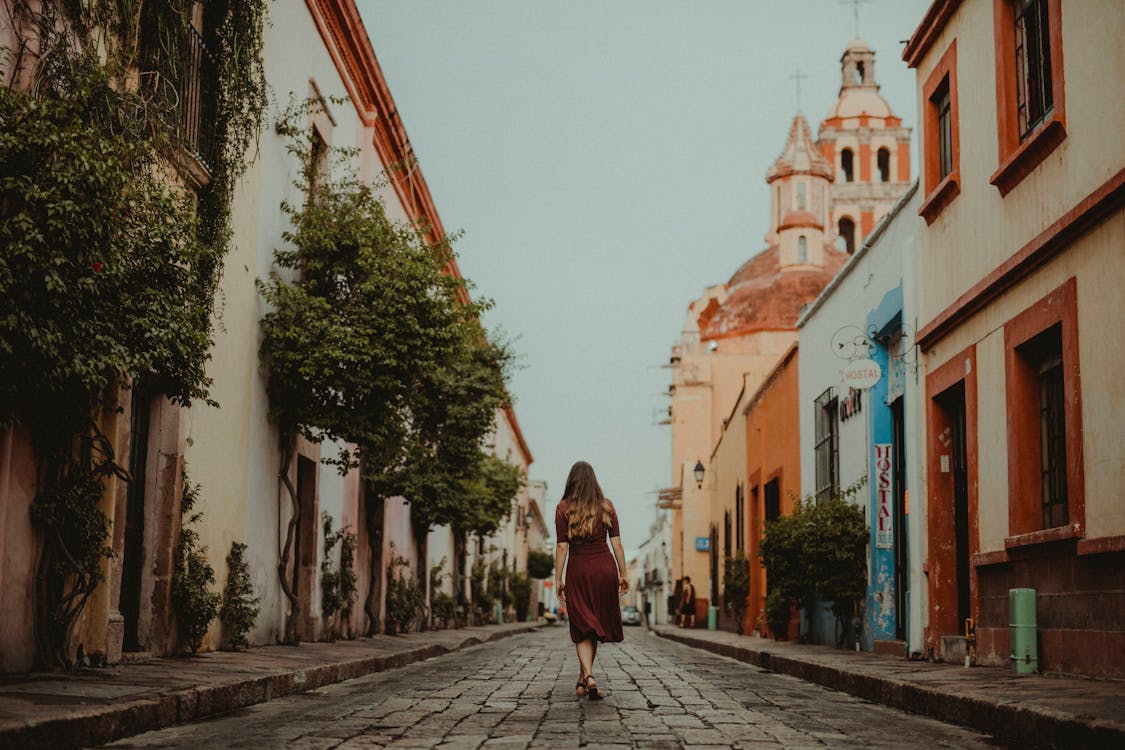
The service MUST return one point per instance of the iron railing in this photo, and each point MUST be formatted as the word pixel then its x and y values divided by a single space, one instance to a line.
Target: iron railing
pixel 198 100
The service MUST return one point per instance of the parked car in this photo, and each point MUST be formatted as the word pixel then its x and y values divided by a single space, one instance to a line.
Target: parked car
pixel 630 616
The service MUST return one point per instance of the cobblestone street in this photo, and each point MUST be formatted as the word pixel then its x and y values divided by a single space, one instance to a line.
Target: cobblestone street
pixel 519 693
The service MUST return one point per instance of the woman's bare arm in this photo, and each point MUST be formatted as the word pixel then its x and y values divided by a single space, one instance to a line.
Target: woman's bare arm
pixel 622 571
pixel 560 560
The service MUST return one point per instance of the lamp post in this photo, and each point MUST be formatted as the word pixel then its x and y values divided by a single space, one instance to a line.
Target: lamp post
pixel 698 471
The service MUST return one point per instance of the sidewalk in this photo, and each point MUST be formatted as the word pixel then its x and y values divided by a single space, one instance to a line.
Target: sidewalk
pixel 101 705
pixel 1019 710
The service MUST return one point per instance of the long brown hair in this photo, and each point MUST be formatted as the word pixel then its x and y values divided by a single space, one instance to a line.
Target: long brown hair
pixel 587 503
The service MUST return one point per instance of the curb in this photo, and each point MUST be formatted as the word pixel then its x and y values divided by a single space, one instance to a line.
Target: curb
pixel 108 723
pixel 1013 723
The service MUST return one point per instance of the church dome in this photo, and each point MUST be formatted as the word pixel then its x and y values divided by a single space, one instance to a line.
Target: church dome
pixel 762 297
pixel 800 155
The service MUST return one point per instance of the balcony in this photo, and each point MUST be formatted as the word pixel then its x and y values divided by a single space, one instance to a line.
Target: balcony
pixel 197 105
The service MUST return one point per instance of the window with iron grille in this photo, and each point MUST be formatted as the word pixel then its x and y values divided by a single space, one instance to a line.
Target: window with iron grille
pixel 827 445
pixel 197 90
pixel 1034 98
pixel 1044 354
pixel 941 103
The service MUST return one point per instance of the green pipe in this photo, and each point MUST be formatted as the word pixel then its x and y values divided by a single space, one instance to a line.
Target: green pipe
pixel 1022 631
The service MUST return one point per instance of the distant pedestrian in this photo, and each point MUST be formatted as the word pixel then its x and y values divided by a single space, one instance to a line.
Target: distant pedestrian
pixel 687 604
pixel 595 578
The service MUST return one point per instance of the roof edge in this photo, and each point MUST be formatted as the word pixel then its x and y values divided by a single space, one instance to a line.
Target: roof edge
pixel 846 270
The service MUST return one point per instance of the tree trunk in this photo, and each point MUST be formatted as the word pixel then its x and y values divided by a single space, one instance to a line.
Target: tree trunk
pixel 460 608
pixel 372 604
pixel 288 448
pixel 421 535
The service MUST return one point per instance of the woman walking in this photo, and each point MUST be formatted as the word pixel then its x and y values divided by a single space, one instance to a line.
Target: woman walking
pixel 595 578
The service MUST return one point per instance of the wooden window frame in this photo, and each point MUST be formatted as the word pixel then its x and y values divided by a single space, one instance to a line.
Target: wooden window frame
pixel 1018 159
pixel 1025 514
pixel 940 191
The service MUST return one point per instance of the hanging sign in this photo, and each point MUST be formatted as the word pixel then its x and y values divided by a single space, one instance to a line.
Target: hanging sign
pixel 884 495
pixel 861 374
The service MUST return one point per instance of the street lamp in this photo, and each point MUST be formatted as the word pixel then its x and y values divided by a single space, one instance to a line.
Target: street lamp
pixel 698 471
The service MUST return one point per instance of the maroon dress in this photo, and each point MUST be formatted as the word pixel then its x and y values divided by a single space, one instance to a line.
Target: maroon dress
pixel 591 581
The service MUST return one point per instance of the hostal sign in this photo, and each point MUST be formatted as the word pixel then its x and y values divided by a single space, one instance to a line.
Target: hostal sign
pixel 861 374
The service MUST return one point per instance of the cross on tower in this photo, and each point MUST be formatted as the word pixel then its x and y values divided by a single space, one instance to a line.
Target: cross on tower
pixel 855 10
pixel 798 76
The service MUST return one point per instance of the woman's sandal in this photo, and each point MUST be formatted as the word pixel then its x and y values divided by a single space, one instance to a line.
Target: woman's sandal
pixel 580 687
pixel 592 692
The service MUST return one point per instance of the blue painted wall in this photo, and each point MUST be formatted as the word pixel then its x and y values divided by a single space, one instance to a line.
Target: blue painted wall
pixel 885 319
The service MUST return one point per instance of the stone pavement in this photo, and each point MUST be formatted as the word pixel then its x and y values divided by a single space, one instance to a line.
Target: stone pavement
pixel 519 693
pixel 1019 710
pixel 99 705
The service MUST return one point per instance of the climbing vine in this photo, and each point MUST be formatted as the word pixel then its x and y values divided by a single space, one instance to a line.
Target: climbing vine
pixel 195 604
pixel 111 266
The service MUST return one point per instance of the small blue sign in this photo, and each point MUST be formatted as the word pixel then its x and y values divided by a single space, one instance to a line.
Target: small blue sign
pixel 703 544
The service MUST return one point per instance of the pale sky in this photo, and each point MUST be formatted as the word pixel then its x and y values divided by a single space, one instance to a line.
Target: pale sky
pixel 606 161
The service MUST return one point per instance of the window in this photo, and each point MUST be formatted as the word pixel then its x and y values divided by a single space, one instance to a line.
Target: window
pixel 883 162
pixel 940 158
pixel 940 102
pixel 1044 353
pixel 802 249
pixel 772 496
pixel 801 195
pixel 827 446
pixel 859 72
pixel 1044 419
pixel 1034 97
pixel 846 228
pixel 318 161
pixel 847 164
pixel 1030 111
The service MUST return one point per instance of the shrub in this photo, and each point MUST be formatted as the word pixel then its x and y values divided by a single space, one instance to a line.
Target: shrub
pixel 404 597
pixel 194 603
pixel 337 581
pixel 441 603
pixel 736 587
pixel 240 607
pixel 818 552
pixel 520 587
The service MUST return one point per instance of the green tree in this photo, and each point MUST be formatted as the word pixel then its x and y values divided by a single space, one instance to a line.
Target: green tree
pixel 362 312
pixel 817 552
pixel 109 269
pixel 540 565
pixel 736 587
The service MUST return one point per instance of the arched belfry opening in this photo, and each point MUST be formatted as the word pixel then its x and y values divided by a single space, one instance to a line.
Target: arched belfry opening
pixel 846 230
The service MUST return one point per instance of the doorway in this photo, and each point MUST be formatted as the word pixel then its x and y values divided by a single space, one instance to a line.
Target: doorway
pixel 902 579
pixel 952 404
pixel 304 547
pixel 133 552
